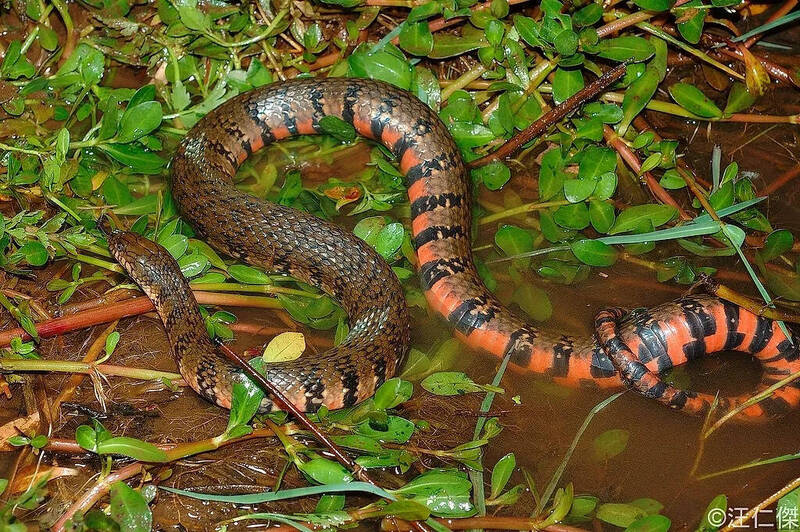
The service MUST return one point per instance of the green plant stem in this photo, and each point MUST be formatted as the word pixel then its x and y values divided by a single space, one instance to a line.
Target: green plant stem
pixel 252 288
pixel 751 401
pixel 94 261
pixel 462 81
pixel 521 209
pixel 556 478
pixel 6 147
pixel 66 366
pixel 247 42
pixel 661 34
pixel 749 465
pixel 674 109
pixel 701 197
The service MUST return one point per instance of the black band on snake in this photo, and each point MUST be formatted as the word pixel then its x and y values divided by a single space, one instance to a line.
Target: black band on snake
pixel 643 343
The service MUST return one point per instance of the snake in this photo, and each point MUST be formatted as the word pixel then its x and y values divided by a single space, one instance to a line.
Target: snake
pixel 630 349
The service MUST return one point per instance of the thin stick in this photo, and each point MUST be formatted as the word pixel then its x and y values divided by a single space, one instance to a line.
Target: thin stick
pixel 284 404
pixel 553 116
pixel 756 307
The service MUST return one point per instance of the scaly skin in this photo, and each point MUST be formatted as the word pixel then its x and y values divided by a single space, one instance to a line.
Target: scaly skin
pixel 288 241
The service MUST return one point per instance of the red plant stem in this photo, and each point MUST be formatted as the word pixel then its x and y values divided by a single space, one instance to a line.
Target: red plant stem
pixel 781 180
pixel 553 116
pixel 116 311
pixel 783 10
pixel 96 492
pixel 613 140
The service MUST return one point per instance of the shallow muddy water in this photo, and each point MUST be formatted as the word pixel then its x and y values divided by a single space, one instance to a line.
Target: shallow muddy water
pixel 662 445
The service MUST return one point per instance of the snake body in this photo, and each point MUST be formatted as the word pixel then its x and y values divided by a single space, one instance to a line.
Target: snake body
pixel 285 240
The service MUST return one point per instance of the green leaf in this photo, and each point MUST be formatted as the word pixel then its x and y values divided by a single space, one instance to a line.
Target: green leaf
pixel 86 437
pixel 381 65
pixel 513 240
pixel 787 511
pixel 176 245
pixel 652 161
pixel 144 205
pixel 641 91
pixel 608 113
pixel 392 393
pixel 133 448
pixel 145 93
pixel 115 192
pixel 34 253
pixel 245 401
pixel 632 218
pixel 776 244
pixel 395 429
pixel 335 126
pixel 716 512
pixel 596 161
pixel 111 342
pixel 248 275
pixel 575 216
pixel 566 83
pixel 601 215
pixel 416 38
pixel 138 121
pixel 136 158
pixel 651 523
pixel 566 43
pixel 624 49
pixel 453 383
pixel 533 301
pixel 494 175
pixel 693 100
pixel 447 45
pixel 192 16
pixel 594 252
pixel 610 443
pixel 654 5
pixel 324 471
pixel 588 15
pixel 48 39
pixel 692 28
pixel 551 177
pixel 501 473
pixel 739 99
pixel 618 514
pixel 389 240
pixel 270 496
pixel 577 190
pixel 129 509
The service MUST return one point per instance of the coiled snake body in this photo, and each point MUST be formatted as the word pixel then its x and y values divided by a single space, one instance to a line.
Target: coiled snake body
pixel 285 240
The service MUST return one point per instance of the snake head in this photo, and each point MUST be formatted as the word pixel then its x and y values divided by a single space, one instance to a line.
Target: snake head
pixel 146 262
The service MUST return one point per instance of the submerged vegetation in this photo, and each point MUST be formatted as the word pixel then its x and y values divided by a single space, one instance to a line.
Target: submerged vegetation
pixel 95 96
